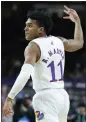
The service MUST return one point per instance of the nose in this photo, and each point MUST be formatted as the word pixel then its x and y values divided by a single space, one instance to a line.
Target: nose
pixel 25 29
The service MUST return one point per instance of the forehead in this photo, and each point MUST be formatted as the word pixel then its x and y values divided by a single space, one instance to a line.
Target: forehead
pixel 30 21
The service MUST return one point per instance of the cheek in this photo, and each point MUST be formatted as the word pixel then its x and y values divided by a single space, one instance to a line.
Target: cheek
pixel 35 31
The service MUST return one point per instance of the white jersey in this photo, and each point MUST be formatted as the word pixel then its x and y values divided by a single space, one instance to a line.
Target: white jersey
pixel 49 70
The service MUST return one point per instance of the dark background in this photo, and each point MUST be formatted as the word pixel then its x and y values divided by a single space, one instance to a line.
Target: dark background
pixel 13 43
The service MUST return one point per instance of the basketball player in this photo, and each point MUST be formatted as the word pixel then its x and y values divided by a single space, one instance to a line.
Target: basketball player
pixel 44 61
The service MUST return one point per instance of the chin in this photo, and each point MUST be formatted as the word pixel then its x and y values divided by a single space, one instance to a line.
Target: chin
pixel 28 39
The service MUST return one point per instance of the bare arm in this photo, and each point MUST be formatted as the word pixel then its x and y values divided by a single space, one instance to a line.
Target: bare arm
pixel 32 54
pixel 75 44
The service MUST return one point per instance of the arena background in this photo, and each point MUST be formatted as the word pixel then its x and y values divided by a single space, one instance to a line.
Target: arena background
pixel 13 43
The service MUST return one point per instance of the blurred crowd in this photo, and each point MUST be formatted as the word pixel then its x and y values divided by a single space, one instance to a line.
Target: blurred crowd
pixel 23 109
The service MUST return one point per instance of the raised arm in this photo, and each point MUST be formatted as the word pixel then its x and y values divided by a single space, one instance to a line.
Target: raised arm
pixel 75 44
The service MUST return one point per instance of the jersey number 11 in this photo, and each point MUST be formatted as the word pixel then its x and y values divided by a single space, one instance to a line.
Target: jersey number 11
pixel 51 65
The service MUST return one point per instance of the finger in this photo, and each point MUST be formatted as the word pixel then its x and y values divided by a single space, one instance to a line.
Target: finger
pixel 5 114
pixel 66 7
pixel 11 114
pixel 11 110
pixel 67 12
pixel 67 17
pixel 69 9
pixel 72 9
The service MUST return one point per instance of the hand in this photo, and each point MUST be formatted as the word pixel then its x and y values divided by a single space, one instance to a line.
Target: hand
pixel 73 16
pixel 7 108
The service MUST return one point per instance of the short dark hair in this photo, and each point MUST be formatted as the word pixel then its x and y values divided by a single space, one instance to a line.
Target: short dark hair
pixel 43 18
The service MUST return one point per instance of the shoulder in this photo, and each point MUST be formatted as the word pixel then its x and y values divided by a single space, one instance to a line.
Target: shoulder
pixel 62 39
pixel 32 49
pixel 58 38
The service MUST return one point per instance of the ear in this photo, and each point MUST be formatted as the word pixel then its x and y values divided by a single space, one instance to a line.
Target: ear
pixel 41 29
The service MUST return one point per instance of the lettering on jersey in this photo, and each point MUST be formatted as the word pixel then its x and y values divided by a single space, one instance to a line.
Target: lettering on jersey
pixel 52 42
pixel 50 53
pixel 45 61
pixel 56 51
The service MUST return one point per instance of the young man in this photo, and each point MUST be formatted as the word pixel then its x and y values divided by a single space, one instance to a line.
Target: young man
pixel 44 61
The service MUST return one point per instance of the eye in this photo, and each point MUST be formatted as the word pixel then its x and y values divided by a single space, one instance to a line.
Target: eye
pixel 30 25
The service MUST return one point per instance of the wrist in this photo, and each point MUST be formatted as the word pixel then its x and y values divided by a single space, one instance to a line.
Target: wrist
pixel 77 22
pixel 9 99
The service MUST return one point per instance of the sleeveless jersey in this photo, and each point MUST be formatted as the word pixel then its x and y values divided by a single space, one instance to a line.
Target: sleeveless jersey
pixel 48 72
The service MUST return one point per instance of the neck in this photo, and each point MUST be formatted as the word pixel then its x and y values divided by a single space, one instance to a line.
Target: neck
pixel 42 35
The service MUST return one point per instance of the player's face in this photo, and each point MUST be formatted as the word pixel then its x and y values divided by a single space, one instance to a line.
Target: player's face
pixel 31 29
